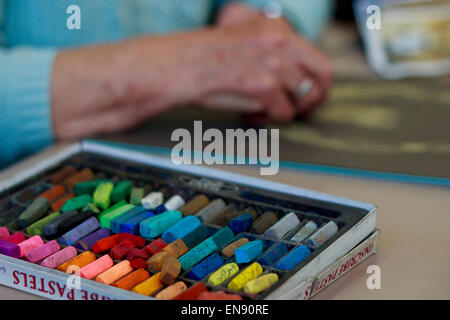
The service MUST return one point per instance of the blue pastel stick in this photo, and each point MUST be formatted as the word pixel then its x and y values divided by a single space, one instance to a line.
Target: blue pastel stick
pixel 87 242
pixel 132 225
pixel 115 223
pixel 79 232
pixel 273 254
pixel 160 209
pixel 294 258
pixel 201 270
pixel 241 223
pixel 248 251
pixel 181 228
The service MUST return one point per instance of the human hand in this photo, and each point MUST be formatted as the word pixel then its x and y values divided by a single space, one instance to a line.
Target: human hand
pixel 292 60
pixel 252 64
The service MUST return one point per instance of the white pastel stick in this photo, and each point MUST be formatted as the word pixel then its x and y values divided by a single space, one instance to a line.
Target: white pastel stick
pixel 174 203
pixel 283 226
pixel 322 235
pixel 209 212
pixel 152 200
pixel 304 232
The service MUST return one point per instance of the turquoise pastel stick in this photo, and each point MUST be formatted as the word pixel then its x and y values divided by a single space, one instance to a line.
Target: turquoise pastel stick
pixel 223 236
pixel 248 251
pixel 181 229
pixel 198 253
pixel 155 226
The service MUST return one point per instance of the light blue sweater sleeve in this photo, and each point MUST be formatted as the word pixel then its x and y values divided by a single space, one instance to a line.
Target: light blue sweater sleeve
pixel 309 17
pixel 25 117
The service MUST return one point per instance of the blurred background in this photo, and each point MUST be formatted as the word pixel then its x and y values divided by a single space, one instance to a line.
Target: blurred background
pixel 389 109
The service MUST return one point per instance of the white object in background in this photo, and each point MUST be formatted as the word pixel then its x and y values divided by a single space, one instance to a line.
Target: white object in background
pixel 283 226
pixel 152 200
pixel 322 235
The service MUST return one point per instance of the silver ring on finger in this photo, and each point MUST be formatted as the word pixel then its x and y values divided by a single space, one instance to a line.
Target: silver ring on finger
pixel 304 88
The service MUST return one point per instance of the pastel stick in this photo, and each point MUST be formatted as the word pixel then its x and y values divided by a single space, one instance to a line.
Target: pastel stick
pixel 87 242
pixel 80 231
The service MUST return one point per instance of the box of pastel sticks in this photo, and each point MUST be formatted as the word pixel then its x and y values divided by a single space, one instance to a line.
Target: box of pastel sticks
pixel 92 221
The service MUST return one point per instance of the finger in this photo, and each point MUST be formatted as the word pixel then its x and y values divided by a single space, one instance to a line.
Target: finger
pixel 231 102
pixel 278 105
pixel 310 59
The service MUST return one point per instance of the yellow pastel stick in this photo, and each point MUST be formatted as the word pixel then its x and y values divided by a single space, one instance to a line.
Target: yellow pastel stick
pixel 261 283
pixel 222 274
pixel 150 285
pixel 249 273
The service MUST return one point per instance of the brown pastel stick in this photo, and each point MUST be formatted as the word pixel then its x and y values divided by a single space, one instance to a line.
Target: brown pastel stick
pixel 176 249
pixel 170 270
pixel 225 217
pixel 219 220
pixel 264 222
pixel 62 174
pixel 84 175
pixel 156 262
pixel 194 205
pixel 228 251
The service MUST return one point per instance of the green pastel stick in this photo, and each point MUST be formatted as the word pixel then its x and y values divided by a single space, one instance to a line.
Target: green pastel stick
pixel 121 191
pixel 37 209
pixel 87 187
pixel 136 196
pixel 76 203
pixel 105 220
pixel 37 228
pixel 91 207
pixel 112 208
pixel 102 195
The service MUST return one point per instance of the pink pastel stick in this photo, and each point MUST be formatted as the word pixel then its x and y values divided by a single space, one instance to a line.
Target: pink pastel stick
pixel 58 258
pixel 96 267
pixel 30 244
pixel 4 233
pixel 42 252
pixel 16 238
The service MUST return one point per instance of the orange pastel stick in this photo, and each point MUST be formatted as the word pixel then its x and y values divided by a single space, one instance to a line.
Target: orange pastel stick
pixel 84 175
pixel 53 193
pixel 115 272
pixel 80 261
pixel 133 279
pixel 58 204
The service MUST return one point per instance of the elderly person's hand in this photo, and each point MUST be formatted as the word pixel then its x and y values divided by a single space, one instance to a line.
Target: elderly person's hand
pixel 294 64
pixel 252 64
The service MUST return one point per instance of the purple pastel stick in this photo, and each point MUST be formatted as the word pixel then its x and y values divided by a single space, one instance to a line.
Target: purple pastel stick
pixel 9 249
pixel 82 230
pixel 87 242
pixel 42 252
pixel 58 258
